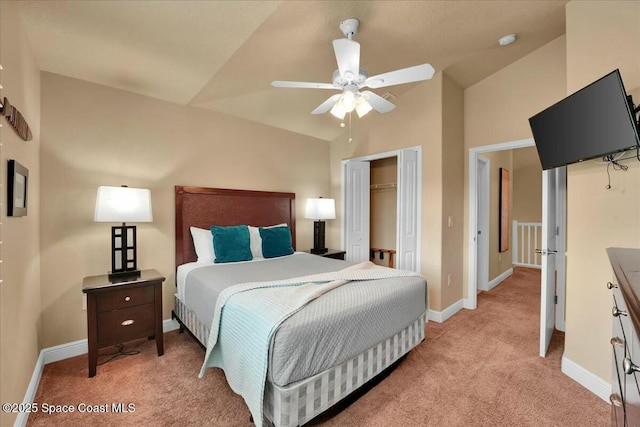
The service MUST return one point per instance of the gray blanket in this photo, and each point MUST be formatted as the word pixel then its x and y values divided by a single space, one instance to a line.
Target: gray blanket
pixel 329 330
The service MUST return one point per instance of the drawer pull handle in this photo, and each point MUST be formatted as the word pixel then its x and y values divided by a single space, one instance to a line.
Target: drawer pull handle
pixel 127 322
pixel 629 367
pixel 611 285
pixel 617 312
pixel 127 299
pixel 617 342
pixel 615 400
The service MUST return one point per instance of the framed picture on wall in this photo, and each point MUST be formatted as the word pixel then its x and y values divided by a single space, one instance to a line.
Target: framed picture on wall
pixel 17 184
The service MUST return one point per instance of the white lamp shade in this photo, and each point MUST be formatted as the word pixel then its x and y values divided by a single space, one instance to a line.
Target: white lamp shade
pixel 338 111
pixel 123 204
pixel 320 209
pixel 362 106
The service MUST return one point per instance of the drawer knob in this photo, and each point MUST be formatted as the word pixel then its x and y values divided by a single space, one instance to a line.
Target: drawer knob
pixel 611 285
pixel 617 312
pixel 127 299
pixel 615 400
pixel 629 367
pixel 617 342
pixel 127 322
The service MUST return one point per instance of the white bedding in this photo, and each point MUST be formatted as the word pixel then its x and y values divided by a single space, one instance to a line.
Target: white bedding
pixel 185 269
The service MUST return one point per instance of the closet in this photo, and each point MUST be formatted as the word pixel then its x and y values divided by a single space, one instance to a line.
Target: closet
pixel 381 207
pixel 383 214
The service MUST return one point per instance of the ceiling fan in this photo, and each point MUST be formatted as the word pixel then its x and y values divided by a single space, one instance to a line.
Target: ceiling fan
pixel 350 78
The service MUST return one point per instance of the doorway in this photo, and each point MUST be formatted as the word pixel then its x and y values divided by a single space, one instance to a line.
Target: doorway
pixel 477 227
pixel 356 207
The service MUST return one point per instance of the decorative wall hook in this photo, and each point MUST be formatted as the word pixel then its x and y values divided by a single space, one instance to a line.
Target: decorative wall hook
pixel 16 120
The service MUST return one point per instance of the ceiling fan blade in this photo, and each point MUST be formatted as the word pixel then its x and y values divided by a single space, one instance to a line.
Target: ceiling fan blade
pixel 327 105
pixel 398 77
pixel 378 103
pixel 303 85
pixel 348 58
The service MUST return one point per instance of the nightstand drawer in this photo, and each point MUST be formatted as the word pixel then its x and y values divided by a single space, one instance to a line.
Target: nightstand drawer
pixel 124 298
pixel 126 324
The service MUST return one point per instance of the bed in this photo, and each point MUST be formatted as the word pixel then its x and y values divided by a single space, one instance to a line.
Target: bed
pixel 327 349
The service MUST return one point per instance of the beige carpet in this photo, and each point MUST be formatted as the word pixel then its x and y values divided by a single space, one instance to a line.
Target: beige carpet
pixel 479 368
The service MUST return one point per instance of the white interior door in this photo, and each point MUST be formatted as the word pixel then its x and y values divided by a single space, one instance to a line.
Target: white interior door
pixel 357 210
pixel 482 247
pixel 548 251
pixel 408 211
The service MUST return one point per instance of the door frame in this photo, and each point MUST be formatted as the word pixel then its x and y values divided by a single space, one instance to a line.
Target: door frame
pixel 561 247
pixel 417 207
pixel 482 252
pixel 471 302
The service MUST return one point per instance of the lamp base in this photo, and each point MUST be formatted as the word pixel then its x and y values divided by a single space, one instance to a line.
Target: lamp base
pixel 121 276
pixel 318 238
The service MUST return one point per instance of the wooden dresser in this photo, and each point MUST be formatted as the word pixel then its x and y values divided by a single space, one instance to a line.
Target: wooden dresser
pixel 625 383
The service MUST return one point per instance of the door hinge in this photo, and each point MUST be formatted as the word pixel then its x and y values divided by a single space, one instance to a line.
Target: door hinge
pixel 555 299
pixel 557 230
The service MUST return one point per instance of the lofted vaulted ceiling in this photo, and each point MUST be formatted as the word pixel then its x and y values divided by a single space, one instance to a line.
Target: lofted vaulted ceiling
pixel 222 55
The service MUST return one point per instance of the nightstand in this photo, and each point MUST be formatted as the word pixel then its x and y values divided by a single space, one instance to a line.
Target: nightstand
pixel 333 253
pixel 123 310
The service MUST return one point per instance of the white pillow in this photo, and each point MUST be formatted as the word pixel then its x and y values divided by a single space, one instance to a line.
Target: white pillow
pixel 256 240
pixel 203 243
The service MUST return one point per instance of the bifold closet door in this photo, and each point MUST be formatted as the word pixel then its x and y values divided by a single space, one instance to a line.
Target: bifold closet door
pixel 357 211
pixel 408 210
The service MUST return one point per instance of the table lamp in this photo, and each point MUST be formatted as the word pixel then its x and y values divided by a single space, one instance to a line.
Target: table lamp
pixel 319 209
pixel 123 204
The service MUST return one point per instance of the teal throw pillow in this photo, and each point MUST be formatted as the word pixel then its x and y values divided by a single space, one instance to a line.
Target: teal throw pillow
pixel 276 241
pixel 231 244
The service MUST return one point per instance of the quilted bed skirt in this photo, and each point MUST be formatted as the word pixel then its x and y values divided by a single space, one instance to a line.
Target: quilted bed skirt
pixel 299 402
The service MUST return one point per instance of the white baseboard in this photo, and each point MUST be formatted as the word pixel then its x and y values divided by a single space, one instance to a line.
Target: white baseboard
pixel 591 382
pixel 64 351
pixel 30 395
pixel 77 348
pixel 536 266
pixel 61 352
pixel 495 282
pixel 170 325
pixel 441 316
pixel 466 303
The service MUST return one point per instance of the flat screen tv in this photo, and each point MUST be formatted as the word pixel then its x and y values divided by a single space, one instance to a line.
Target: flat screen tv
pixel 595 121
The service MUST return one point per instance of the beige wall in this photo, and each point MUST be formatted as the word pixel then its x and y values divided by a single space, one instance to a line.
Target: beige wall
pixel 527 185
pixel 601 36
pixel 417 121
pixel 499 262
pixel 452 190
pixel 383 206
pixel 20 321
pixel 94 135
pixel 497 109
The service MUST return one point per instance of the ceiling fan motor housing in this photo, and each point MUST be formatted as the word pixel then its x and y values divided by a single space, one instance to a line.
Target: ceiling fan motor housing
pixel 349 27
pixel 341 82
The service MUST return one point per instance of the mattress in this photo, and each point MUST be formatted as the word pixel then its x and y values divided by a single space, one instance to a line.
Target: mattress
pixel 325 333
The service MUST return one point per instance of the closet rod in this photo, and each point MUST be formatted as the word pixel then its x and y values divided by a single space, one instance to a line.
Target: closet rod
pixel 379 186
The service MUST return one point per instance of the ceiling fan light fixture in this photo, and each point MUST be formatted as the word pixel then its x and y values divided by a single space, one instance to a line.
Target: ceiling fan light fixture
pixel 348 101
pixel 338 110
pixel 362 106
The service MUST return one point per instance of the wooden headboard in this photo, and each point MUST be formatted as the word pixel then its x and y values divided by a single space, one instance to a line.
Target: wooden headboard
pixel 203 207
